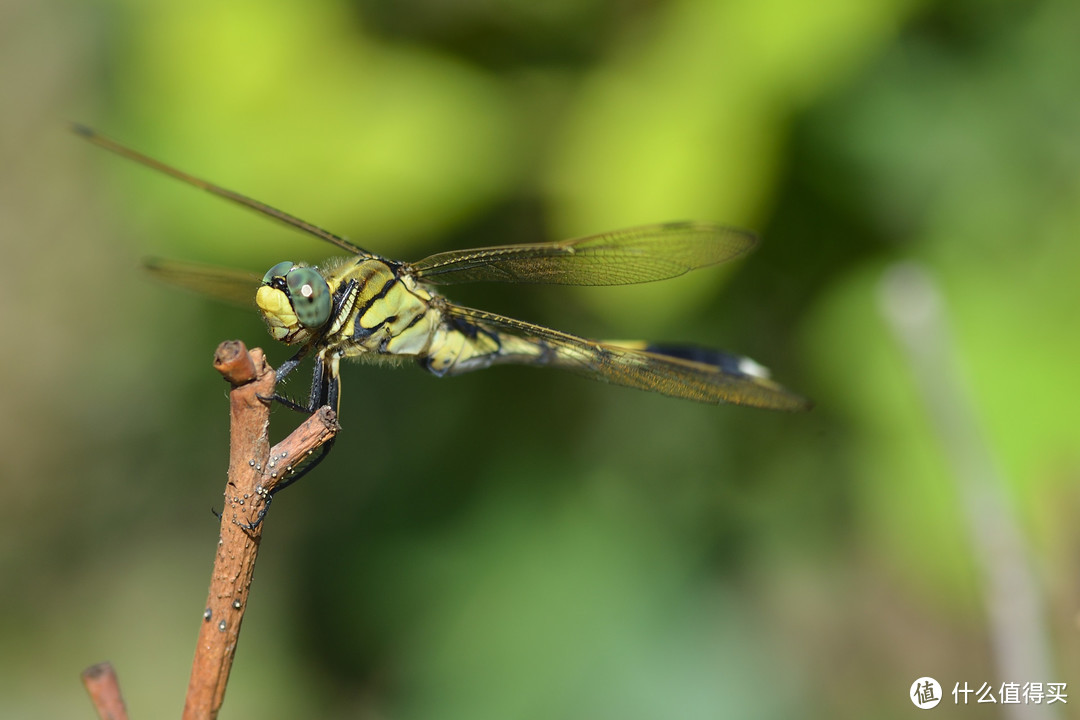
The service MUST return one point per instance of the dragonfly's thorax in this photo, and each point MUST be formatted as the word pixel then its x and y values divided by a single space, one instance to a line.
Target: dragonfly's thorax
pixel 377 310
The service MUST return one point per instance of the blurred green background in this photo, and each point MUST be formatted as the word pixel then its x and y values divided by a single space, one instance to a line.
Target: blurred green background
pixel 526 544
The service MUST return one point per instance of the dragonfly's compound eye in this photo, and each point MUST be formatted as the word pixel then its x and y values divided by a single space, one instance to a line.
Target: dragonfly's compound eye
pixel 310 296
pixel 278 271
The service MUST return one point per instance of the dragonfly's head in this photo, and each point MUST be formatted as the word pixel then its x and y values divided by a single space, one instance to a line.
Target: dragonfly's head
pixel 295 302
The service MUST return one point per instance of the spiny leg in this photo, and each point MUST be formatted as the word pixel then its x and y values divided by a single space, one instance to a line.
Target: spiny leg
pixel 289 365
pixel 325 390
pixel 317 396
pixel 280 374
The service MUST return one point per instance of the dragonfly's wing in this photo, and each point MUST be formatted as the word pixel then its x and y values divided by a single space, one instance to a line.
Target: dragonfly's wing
pixel 622 257
pixel 232 286
pixel 235 197
pixel 709 376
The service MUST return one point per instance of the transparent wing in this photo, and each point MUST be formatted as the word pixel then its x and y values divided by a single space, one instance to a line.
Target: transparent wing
pixel 234 197
pixel 634 255
pixel 232 286
pixel 704 376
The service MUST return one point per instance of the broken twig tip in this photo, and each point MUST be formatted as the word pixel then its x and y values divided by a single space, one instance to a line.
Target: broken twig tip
pixel 235 363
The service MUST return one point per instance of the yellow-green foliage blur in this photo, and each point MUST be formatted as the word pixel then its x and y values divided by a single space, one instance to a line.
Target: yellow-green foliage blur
pixel 521 543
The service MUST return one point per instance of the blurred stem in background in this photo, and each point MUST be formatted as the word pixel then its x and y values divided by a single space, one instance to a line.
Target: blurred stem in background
pixel 914 308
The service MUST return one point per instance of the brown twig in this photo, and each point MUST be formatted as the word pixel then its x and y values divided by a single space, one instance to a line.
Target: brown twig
pixel 104 689
pixel 255 469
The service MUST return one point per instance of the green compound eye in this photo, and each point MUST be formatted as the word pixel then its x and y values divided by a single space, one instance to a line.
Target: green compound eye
pixel 280 270
pixel 309 295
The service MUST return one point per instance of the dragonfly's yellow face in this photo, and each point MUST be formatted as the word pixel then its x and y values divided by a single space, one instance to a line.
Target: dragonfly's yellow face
pixel 295 302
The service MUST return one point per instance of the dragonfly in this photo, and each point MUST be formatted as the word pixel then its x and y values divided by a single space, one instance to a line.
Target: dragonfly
pixel 366 306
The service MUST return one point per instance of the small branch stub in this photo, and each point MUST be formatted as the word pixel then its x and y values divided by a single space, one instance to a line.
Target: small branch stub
pixel 101 683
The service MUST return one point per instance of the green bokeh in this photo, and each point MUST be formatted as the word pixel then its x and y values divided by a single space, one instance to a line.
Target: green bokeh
pixel 522 543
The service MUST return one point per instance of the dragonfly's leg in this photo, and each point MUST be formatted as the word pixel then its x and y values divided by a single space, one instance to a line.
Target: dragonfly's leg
pixel 291 404
pixel 324 391
pixel 258 518
pixel 289 365
pixel 317 396
pixel 286 368
pixel 280 375
pixel 333 384
pixel 333 392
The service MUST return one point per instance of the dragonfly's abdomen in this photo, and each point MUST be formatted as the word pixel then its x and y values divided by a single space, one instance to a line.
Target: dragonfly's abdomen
pixel 458 347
